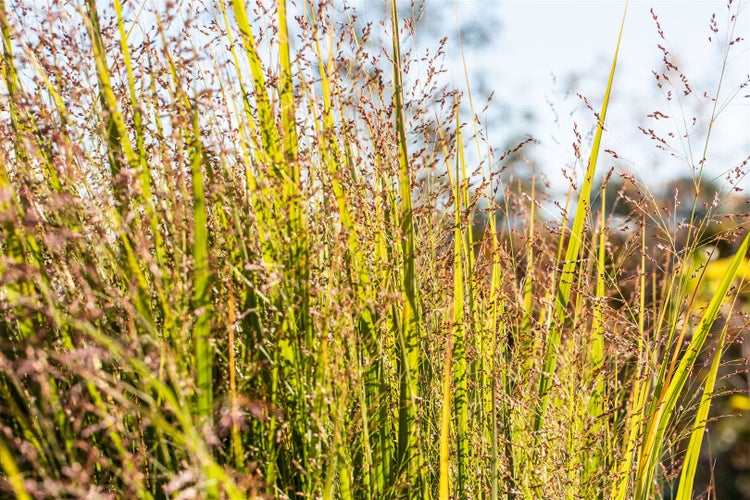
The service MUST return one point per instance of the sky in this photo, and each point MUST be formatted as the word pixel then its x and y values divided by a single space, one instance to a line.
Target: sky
pixel 542 53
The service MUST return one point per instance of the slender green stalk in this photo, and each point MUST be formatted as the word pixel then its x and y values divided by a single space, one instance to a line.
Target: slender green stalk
pixel 445 425
pixel 409 456
pixel 459 333
pixel 201 282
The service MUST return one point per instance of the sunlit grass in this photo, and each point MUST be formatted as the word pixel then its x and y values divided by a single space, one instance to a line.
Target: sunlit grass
pixel 241 257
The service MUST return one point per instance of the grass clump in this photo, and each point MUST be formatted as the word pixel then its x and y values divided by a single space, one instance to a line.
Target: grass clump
pixel 240 258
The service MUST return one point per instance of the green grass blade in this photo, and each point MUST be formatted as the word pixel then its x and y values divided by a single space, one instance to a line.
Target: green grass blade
pixel 201 278
pixel 140 148
pixel 121 150
pixel 19 247
pixel 409 445
pixel 664 407
pixel 595 357
pixel 692 454
pixel 266 120
pixel 575 242
pixel 444 485
pixel 460 320
pixel 286 91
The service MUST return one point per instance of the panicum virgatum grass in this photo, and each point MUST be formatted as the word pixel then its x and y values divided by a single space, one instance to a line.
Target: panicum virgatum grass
pixel 241 256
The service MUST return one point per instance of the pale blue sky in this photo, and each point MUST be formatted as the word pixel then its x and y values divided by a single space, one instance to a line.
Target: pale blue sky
pixel 546 51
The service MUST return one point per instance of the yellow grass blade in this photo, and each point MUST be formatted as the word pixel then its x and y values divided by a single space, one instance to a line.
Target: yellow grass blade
pixel 11 472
